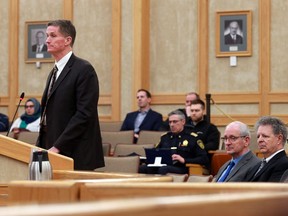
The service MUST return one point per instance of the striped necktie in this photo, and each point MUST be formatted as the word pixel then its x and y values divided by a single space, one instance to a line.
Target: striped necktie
pixel 263 163
pixel 52 82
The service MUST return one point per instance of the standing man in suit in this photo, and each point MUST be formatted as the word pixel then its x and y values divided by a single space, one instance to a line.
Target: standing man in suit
pixel 40 45
pixel 271 138
pixel 143 119
pixel 237 140
pixel 233 37
pixel 69 120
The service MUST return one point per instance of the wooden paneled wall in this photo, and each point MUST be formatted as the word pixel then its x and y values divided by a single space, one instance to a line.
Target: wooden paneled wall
pixel 229 102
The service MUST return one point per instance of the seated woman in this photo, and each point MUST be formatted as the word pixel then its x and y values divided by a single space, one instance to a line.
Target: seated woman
pixel 30 120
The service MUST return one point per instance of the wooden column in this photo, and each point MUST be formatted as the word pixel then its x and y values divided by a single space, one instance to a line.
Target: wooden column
pixel 141 45
pixel 68 9
pixel 203 46
pixel 264 55
pixel 116 60
pixel 13 57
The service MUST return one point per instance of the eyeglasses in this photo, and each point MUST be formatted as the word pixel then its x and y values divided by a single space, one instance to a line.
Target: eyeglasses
pixel 174 121
pixel 231 138
pixel 29 106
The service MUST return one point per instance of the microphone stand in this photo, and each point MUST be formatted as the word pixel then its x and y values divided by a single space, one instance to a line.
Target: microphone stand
pixel 21 98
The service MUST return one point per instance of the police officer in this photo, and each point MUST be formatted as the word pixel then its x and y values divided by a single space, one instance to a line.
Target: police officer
pixel 186 147
pixel 208 132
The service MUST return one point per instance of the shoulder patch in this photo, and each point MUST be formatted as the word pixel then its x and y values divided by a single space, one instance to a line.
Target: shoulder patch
pixel 164 133
pixel 194 134
pixel 200 144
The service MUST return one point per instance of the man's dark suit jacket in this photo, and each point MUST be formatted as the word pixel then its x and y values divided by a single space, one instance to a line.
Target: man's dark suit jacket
pixel 152 121
pixel 241 170
pixel 72 115
pixel 273 170
pixel 229 40
pixel 44 48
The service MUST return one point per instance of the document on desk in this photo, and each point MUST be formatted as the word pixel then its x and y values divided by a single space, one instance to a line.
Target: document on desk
pixel 157 163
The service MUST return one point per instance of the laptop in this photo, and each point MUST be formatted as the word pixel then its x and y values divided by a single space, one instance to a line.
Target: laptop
pixel 157 157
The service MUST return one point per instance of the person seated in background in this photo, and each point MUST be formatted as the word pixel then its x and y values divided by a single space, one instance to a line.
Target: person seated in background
pixel 4 122
pixel 187 147
pixel 271 138
pixel 30 120
pixel 186 110
pixel 143 119
pixel 237 140
pixel 208 132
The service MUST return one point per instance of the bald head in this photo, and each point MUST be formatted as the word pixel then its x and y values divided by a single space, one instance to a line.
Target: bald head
pixel 236 139
pixel 233 27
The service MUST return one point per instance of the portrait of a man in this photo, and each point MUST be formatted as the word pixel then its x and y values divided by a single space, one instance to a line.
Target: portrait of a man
pixel 233 32
pixel 40 45
pixel 35 37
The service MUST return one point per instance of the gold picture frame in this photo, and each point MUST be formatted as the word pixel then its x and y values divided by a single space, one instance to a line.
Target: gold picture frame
pixel 233 33
pixel 35 42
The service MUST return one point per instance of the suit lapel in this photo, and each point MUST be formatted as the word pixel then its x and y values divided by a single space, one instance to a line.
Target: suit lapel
pixel 238 166
pixel 223 169
pixel 63 74
pixel 270 163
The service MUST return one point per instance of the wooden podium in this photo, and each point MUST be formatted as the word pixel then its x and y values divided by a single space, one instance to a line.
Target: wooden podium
pixel 15 158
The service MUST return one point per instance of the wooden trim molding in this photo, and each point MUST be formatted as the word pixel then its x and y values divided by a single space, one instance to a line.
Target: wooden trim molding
pixel 68 9
pixel 264 54
pixel 141 45
pixel 203 47
pixel 116 60
pixel 13 55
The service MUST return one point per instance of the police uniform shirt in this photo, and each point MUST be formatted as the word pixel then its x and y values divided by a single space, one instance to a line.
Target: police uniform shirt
pixel 186 144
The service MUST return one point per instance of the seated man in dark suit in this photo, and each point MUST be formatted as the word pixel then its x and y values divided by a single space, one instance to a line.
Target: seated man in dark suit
pixel 233 37
pixel 143 119
pixel 271 138
pixel 237 140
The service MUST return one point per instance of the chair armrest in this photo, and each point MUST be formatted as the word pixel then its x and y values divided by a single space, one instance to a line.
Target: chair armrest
pixel 197 169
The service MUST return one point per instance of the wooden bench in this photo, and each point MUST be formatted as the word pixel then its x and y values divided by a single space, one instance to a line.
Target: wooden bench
pixel 77 175
pixel 98 191
pixel 248 204
pixel 61 191
pixel 3 194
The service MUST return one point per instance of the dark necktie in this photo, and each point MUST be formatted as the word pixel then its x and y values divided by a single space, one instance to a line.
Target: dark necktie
pixel 263 163
pixel 226 172
pixel 52 82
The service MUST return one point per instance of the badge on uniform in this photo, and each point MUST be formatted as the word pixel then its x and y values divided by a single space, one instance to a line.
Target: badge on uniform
pixel 200 144
pixel 185 143
pixel 194 134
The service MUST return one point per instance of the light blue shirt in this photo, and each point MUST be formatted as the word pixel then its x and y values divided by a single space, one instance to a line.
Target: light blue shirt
pixel 139 119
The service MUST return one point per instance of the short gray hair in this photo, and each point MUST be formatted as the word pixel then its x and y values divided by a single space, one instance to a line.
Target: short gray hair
pixel 277 125
pixel 177 112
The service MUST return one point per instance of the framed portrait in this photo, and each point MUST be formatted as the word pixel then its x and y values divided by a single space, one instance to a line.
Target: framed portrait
pixel 35 42
pixel 233 33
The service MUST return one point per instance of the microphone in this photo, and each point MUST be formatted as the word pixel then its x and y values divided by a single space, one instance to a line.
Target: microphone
pixel 21 98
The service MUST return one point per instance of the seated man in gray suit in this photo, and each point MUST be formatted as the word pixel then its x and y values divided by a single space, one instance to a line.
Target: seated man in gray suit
pixel 237 141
